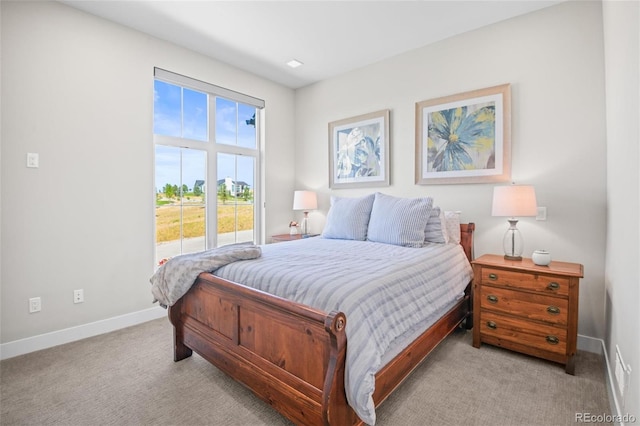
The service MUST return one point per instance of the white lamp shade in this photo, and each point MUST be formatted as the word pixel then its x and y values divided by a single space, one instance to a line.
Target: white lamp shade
pixel 514 200
pixel 305 200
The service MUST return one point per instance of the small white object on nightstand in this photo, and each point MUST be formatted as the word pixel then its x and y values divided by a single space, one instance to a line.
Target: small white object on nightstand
pixel 541 257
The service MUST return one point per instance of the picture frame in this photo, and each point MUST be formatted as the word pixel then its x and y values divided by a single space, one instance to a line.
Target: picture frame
pixel 479 152
pixel 359 151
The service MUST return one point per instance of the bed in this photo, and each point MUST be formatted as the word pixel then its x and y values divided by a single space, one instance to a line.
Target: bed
pixel 295 356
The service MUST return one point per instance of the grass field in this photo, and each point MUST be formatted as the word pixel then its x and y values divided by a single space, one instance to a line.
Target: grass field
pixel 168 220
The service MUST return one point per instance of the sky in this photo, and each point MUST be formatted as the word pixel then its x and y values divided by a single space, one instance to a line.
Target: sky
pixel 181 112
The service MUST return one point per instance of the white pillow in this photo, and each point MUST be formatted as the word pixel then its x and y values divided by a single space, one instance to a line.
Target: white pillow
pixel 348 218
pixel 436 229
pixel 452 220
pixel 399 221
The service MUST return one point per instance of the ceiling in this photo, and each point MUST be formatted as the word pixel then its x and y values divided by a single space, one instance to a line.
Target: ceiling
pixel 329 37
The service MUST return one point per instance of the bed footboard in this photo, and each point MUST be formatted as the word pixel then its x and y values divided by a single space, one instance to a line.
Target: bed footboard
pixel 289 355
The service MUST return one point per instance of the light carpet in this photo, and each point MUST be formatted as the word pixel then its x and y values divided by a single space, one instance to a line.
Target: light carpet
pixel 128 377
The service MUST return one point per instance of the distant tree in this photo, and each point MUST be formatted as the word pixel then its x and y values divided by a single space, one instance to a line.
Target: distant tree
pixel 197 190
pixel 246 194
pixel 168 191
pixel 185 189
pixel 175 191
pixel 223 194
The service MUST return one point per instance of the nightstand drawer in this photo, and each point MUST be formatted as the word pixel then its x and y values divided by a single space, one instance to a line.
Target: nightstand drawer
pixel 526 305
pixel 539 336
pixel 517 279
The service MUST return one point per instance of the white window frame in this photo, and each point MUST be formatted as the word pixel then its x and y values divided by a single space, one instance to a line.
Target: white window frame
pixel 212 149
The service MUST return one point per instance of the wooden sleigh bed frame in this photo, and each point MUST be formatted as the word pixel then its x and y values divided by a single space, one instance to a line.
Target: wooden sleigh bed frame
pixel 290 355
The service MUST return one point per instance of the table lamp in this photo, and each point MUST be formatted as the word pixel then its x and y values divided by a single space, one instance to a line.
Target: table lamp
pixel 305 201
pixel 512 201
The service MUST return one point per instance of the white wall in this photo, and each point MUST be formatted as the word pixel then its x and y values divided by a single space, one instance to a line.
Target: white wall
pixel 78 90
pixel 553 59
pixel 0 173
pixel 622 52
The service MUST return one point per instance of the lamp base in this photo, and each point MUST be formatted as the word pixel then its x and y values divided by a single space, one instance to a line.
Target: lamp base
pixel 512 242
pixel 507 257
pixel 305 224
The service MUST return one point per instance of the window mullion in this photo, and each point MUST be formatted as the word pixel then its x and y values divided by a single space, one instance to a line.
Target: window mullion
pixel 179 142
pixel 181 206
pixel 235 194
pixel 237 150
pixel 212 173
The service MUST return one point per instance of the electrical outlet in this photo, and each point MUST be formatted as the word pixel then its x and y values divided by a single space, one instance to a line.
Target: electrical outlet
pixel 78 296
pixel 35 305
pixel 622 372
pixel 619 374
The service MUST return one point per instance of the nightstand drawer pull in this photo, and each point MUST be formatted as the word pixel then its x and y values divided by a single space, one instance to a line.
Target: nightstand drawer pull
pixel 553 285
pixel 553 340
pixel 554 310
pixel 492 325
pixel 493 276
pixel 492 299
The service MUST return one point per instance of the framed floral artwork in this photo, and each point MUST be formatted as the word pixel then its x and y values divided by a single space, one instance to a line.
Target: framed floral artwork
pixel 464 138
pixel 359 151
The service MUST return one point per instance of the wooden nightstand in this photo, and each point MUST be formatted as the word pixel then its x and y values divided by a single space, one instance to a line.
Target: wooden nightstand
pixel 527 308
pixel 288 237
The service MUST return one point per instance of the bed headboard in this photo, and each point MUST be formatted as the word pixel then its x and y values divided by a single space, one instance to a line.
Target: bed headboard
pixel 466 238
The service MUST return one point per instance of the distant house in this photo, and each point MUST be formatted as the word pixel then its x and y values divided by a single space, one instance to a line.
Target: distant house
pixel 232 187
pixel 197 186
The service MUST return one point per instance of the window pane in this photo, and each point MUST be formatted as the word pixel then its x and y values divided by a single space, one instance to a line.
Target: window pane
pixel 246 126
pixel 235 123
pixel 195 113
pixel 226 118
pixel 193 211
pixel 193 200
pixel 168 231
pixel 167 174
pixel 167 109
pixel 168 209
pixel 244 169
pixel 235 199
pixel 245 207
pixel 180 112
pixel 180 201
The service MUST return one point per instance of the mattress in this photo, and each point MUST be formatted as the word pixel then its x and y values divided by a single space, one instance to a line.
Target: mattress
pixel 388 293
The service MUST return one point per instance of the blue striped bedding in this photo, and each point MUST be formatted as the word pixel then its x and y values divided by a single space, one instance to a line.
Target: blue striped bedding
pixel 386 292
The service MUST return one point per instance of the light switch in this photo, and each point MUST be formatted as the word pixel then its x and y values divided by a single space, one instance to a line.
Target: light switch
pixel 33 160
pixel 542 213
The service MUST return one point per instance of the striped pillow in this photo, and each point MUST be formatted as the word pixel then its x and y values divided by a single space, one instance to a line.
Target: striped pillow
pixel 348 218
pixel 436 229
pixel 453 226
pixel 399 221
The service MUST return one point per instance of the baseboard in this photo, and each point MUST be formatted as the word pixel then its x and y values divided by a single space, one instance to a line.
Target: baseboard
pixel 67 335
pixel 591 344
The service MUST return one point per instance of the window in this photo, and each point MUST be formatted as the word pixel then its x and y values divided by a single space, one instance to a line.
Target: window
pixel 204 134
